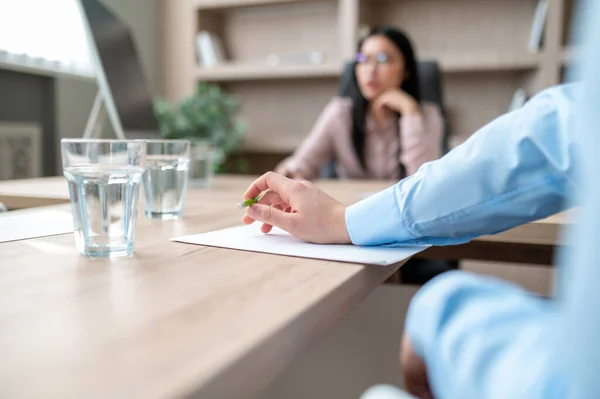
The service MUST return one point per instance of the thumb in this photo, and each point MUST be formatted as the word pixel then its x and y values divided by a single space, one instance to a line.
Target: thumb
pixel 270 215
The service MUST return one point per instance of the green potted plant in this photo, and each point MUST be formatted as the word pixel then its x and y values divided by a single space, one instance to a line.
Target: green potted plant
pixel 208 118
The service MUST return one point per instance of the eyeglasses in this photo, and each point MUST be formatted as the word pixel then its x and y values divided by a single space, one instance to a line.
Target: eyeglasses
pixel 379 59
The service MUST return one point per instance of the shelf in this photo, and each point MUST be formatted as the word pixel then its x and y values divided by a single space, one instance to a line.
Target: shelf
pixel 219 4
pixel 482 62
pixel 456 63
pixel 237 72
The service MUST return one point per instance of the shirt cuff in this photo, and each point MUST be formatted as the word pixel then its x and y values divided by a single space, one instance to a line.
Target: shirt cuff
pixel 377 220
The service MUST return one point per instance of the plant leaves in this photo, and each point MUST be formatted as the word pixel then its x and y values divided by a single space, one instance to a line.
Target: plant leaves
pixel 210 113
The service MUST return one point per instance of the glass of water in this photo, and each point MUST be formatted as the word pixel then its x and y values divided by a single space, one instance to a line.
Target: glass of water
pixel 104 178
pixel 166 178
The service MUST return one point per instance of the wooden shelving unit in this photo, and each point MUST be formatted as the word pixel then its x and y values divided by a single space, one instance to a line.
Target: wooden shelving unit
pixel 481 46
pixel 244 72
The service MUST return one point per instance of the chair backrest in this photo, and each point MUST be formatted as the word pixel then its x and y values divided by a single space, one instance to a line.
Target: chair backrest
pixel 430 83
pixel 431 86
pixel 432 90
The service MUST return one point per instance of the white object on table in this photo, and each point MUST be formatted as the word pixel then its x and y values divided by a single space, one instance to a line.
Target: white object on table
pixel 23 225
pixel 250 238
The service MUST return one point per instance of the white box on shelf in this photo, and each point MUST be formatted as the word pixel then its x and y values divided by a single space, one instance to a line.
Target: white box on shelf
pixel 210 49
pixel 310 58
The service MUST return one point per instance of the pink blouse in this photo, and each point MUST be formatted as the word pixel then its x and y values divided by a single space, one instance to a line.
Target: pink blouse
pixel 415 140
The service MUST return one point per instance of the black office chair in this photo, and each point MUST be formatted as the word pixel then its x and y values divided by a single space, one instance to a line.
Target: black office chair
pixel 431 85
pixel 415 271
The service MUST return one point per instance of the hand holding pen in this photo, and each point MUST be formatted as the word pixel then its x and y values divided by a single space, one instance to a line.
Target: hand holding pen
pixel 298 207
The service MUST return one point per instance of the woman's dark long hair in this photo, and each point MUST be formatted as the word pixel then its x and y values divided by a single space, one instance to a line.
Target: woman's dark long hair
pixel 410 85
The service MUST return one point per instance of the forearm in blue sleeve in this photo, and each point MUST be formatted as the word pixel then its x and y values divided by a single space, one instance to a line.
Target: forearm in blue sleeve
pixel 514 170
pixel 483 338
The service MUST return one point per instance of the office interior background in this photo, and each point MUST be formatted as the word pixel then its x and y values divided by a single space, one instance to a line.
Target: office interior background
pixel 283 61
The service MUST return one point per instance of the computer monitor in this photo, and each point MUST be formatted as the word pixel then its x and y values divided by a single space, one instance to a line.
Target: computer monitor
pixel 119 71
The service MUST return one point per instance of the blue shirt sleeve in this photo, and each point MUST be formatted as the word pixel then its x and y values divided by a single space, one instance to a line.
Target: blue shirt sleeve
pixel 483 338
pixel 515 169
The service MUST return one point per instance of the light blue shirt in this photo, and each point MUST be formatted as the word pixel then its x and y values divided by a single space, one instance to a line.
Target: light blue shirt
pixel 516 169
pixel 483 338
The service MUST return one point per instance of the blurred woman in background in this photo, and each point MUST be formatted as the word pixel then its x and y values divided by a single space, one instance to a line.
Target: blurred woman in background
pixel 382 130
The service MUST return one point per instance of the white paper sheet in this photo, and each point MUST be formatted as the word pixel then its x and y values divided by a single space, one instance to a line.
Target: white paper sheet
pixel 250 238
pixel 25 225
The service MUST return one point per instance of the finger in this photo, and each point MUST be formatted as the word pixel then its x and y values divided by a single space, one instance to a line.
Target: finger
pixel 271 215
pixel 270 181
pixel 281 168
pixel 246 219
pixel 285 172
pixel 270 197
pixel 384 103
pixel 266 228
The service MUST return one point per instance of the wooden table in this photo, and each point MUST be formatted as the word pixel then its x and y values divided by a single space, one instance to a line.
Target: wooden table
pixel 31 193
pixel 533 243
pixel 174 320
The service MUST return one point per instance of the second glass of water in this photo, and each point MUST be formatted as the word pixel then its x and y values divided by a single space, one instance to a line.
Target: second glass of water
pixel 166 178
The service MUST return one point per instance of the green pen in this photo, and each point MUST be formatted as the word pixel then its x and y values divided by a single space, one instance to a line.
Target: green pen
pixel 249 202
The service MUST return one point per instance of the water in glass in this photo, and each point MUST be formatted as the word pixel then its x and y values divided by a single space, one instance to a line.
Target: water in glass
pixel 104 203
pixel 165 186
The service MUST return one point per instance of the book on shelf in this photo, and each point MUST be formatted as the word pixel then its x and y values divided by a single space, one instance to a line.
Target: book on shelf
pixel 210 49
pixel 536 36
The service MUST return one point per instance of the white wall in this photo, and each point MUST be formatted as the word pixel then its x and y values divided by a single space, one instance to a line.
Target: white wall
pixel 74 98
